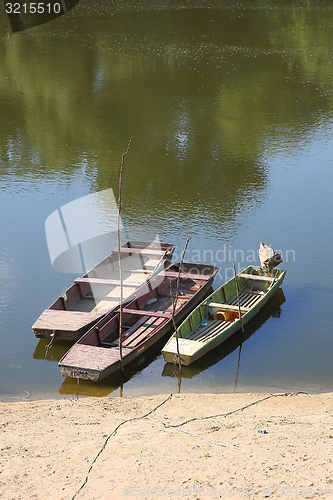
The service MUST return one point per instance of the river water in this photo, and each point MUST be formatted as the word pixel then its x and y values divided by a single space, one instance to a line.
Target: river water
pixel 230 108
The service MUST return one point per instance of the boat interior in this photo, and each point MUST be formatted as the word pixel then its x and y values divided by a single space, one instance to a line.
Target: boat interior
pixel 202 325
pixel 149 310
pixel 99 289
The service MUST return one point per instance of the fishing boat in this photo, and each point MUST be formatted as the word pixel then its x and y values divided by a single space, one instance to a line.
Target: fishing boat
pixel 217 317
pixel 145 320
pixel 91 296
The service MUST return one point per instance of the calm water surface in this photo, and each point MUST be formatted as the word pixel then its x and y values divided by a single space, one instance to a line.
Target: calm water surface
pixel 230 109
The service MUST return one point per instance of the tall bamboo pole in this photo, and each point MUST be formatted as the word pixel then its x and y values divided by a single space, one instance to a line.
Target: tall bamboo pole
pixel 237 291
pixel 119 257
pixel 240 319
pixel 176 299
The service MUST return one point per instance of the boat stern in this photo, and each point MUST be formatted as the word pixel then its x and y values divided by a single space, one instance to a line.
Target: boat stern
pixel 188 350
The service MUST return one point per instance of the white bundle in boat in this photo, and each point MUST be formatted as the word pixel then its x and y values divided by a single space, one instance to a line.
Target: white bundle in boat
pixel 268 258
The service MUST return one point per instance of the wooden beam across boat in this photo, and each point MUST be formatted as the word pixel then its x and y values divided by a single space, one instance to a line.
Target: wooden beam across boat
pixel 145 251
pixel 227 307
pixel 190 276
pixel 106 281
pixel 142 312
pixel 255 277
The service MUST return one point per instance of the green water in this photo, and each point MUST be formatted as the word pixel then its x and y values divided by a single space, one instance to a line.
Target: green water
pixel 230 109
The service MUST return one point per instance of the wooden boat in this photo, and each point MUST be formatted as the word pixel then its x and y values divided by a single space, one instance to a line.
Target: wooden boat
pixel 146 319
pixel 217 317
pixel 98 291
pixel 271 310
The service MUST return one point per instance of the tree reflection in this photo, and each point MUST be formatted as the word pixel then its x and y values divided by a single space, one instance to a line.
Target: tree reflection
pixel 203 92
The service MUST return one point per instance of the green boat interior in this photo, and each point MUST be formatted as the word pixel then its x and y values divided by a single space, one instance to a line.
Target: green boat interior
pixel 253 284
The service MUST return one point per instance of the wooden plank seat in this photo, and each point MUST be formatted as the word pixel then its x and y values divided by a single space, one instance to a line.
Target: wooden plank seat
pixel 102 281
pixel 190 276
pixel 255 277
pixel 145 251
pixel 227 307
pixel 139 312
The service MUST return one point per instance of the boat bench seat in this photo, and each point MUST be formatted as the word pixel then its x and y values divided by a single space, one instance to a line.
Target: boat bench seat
pixel 190 276
pixel 145 251
pixel 255 277
pixel 227 307
pixel 101 281
pixel 142 312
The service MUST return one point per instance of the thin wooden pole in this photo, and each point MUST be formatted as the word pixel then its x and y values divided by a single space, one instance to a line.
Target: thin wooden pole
pixel 176 299
pixel 238 363
pixel 237 291
pixel 119 257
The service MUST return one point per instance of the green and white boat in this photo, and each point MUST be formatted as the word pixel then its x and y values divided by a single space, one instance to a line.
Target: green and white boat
pixel 217 317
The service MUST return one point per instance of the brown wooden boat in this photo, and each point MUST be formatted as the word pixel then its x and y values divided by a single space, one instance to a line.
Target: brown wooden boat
pixel 146 319
pixel 98 291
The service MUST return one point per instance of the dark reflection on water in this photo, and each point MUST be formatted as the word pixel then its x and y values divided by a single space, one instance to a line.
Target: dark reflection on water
pixel 114 382
pixel 230 109
pixel 52 353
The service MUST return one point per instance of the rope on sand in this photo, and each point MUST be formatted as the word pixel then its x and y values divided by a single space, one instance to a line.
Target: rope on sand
pixel 176 428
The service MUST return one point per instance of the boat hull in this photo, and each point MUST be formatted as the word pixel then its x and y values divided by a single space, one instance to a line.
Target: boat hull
pixel 89 360
pixel 98 291
pixel 194 341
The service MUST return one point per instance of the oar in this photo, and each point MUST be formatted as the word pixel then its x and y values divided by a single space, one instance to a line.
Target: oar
pixel 237 291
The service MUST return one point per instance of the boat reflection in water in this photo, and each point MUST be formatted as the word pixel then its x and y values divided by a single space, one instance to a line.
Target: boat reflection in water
pixel 111 384
pixel 72 386
pixel 271 310
pixel 79 387
pixel 52 353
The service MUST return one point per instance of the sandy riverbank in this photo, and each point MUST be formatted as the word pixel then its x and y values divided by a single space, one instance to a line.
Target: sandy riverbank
pixel 179 446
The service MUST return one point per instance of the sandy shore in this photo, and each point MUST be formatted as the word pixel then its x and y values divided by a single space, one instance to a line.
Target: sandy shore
pixel 176 446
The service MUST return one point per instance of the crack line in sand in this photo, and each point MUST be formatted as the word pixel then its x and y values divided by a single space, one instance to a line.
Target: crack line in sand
pixel 113 433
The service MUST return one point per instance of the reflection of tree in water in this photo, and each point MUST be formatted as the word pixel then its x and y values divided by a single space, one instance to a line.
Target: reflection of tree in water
pixel 204 93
